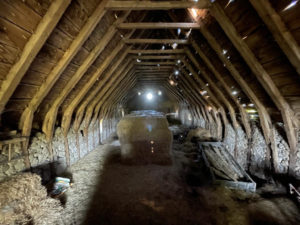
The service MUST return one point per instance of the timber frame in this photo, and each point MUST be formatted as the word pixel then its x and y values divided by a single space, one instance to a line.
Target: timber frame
pixel 79 61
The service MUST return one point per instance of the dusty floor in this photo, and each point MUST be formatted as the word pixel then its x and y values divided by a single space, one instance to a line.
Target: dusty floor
pixel 108 192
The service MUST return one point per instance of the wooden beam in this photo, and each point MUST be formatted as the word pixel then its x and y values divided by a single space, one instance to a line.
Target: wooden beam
pixel 93 105
pixel 263 77
pixel 157 51
pixel 68 112
pixel 265 120
pixel 31 49
pixel 158 25
pixel 155 63
pixel 156 57
pixel 209 64
pixel 281 33
pixel 155 5
pixel 88 101
pixel 50 118
pixel 27 115
pixel 155 41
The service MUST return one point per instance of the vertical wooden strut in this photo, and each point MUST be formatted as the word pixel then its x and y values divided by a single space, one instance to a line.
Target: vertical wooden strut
pixel 25 123
pixel 31 49
pixel 279 30
pixel 263 77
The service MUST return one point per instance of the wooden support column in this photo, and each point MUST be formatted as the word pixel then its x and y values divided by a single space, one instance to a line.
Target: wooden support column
pixel 282 35
pixel 31 49
pixel 290 121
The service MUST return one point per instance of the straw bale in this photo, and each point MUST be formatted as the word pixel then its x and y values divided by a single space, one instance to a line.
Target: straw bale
pixel 23 200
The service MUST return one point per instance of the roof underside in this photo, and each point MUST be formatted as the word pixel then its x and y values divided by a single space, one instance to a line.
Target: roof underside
pixel 67 59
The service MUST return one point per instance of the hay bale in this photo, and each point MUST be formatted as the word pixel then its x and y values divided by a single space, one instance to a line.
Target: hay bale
pixel 23 200
pixel 145 138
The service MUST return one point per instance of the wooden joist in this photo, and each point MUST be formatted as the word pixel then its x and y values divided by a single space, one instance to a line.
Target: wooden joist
pixel 156 51
pixel 158 25
pixel 282 35
pixel 155 41
pixel 143 57
pixel 263 77
pixel 155 5
pixel 31 49
pixel 155 63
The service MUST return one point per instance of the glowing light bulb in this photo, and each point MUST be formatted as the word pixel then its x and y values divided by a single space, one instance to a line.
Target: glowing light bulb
pixel 139 93
pixel 159 92
pixel 149 96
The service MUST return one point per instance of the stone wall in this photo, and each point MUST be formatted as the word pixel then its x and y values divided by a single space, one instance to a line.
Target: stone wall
pixel 39 150
pixel 250 154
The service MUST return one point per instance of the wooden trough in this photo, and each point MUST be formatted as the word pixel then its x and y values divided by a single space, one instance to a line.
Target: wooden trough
pixel 223 168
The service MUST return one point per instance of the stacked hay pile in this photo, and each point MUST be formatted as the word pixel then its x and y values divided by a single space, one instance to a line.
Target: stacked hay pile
pixel 23 200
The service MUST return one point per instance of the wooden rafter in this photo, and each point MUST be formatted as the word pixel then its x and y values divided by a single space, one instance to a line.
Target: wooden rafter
pixel 155 5
pixel 158 25
pixel 209 64
pixel 263 77
pixel 157 51
pixel 282 35
pixel 155 41
pixel 50 118
pixel 31 49
pixel 27 115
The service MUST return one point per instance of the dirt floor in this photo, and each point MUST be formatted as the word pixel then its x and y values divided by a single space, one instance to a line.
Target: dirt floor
pixel 108 192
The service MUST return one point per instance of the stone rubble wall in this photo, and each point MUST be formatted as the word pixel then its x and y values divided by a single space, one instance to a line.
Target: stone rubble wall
pixel 39 149
pixel 248 153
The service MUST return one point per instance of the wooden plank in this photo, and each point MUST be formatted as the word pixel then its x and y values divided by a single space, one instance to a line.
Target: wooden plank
pixel 157 51
pixel 155 41
pixel 282 35
pixel 156 57
pixel 265 80
pixel 158 25
pixel 31 49
pixel 155 5
pixel 155 63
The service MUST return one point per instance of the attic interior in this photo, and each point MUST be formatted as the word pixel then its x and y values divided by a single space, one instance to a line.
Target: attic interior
pixel 149 112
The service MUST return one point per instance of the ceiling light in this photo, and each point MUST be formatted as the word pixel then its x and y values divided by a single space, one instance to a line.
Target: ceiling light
pixel 163 47
pixel 174 45
pixel 172 82
pixel 190 74
pixel 178 31
pixel 139 54
pixel 159 92
pixel 176 72
pixel 138 60
pixel 234 92
pixel 206 84
pixel 224 51
pixel 244 105
pixel 250 104
pixel 292 4
pixel 178 61
pixel 149 96
pixel 139 93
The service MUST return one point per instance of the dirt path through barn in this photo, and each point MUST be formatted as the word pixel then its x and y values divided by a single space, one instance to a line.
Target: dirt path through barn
pixel 108 192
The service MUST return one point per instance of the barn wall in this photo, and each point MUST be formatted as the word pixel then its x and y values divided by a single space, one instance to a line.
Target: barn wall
pixel 39 153
pixel 250 154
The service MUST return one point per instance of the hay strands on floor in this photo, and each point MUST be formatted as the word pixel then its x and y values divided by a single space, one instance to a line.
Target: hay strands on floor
pixel 223 168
